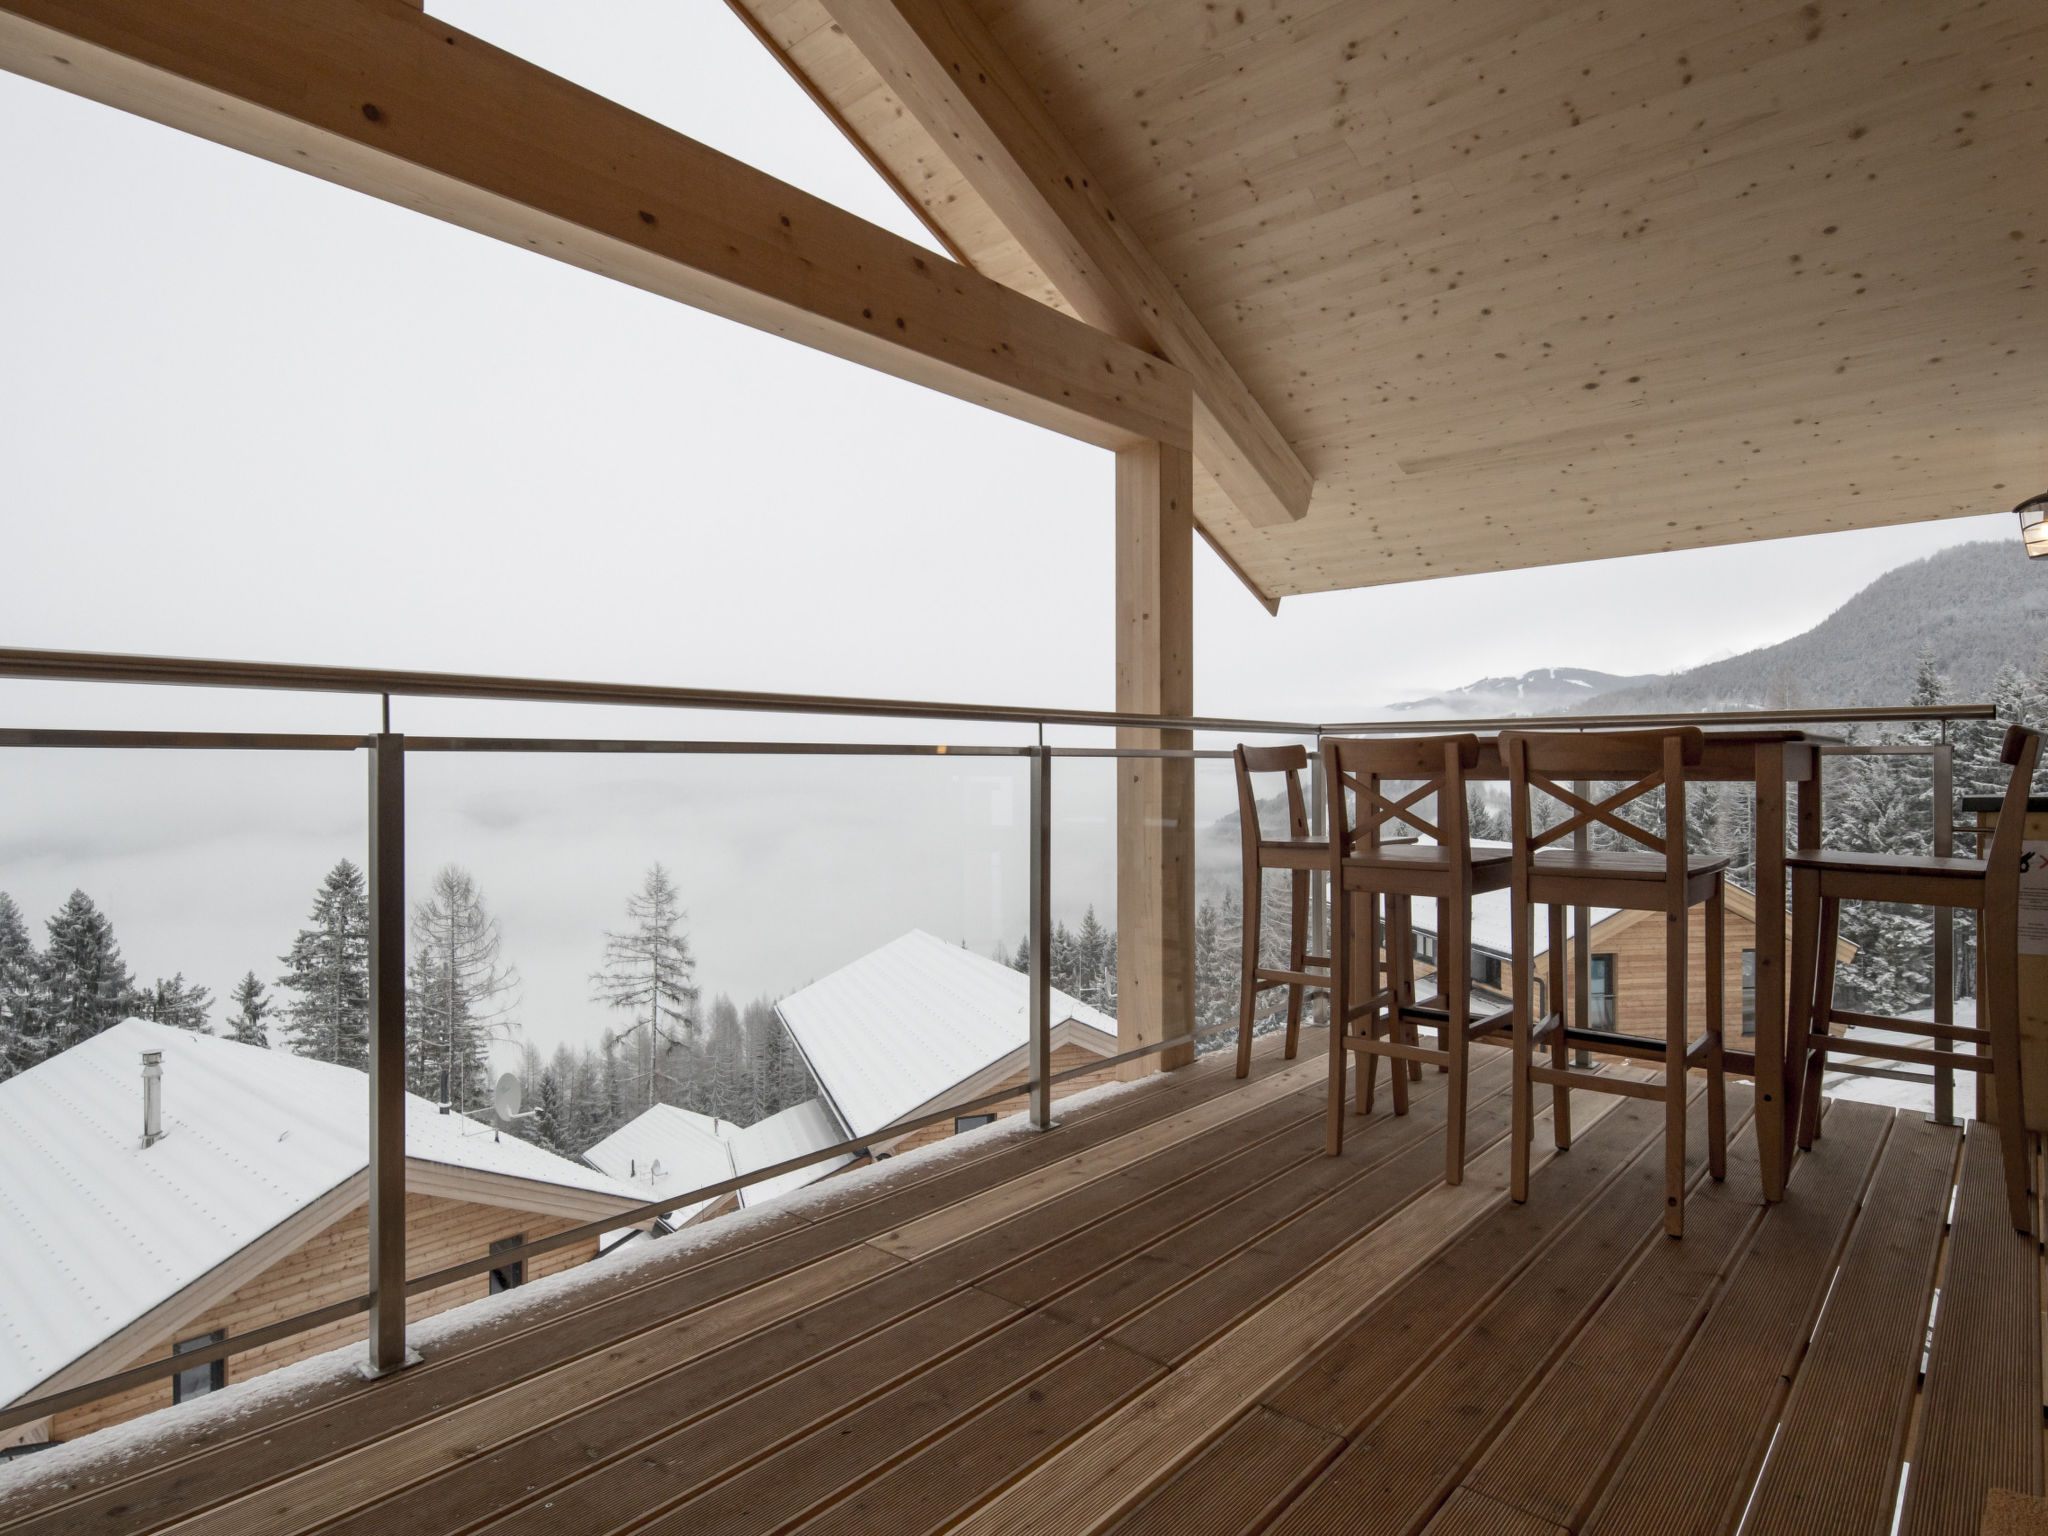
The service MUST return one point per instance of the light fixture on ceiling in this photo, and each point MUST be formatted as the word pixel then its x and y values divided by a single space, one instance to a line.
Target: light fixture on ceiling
pixel 2033 516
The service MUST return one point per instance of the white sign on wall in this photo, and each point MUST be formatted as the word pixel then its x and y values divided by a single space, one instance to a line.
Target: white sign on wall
pixel 2034 898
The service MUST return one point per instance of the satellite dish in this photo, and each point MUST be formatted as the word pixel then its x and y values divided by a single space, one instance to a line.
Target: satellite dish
pixel 655 1170
pixel 505 1099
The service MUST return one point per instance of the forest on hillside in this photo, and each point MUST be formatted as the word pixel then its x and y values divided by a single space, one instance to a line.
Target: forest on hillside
pixel 735 1063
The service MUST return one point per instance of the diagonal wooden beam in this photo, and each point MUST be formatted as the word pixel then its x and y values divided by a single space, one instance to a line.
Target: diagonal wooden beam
pixel 386 100
pixel 949 72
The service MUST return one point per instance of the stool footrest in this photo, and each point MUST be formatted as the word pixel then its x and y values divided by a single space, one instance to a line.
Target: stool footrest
pixel 1628 1087
pixel 1962 1032
pixel 1266 981
pixel 1884 1050
pixel 1397 1049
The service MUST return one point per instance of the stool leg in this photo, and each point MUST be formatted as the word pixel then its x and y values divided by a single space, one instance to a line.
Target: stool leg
pixel 1820 1024
pixel 1367 979
pixel 1523 1124
pixel 1781 1119
pixel 1248 992
pixel 1676 939
pixel 1717 1018
pixel 1400 949
pixel 2000 949
pixel 1341 959
pixel 1297 958
pixel 1453 958
pixel 1443 1036
pixel 1560 1048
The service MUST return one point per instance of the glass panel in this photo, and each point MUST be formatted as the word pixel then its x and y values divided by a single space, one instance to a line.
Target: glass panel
pixel 200 1379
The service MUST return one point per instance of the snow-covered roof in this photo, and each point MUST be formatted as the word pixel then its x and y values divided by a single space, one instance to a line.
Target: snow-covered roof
pixel 906 1023
pixel 792 1132
pixel 667 1150
pixel 96 1231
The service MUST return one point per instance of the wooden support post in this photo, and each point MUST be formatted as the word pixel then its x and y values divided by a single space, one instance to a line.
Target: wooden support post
pixel 1155 798
pixel 387 1053
pixel 1040 929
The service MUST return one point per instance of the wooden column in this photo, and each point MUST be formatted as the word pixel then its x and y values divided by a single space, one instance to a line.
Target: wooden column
pixel 1155 800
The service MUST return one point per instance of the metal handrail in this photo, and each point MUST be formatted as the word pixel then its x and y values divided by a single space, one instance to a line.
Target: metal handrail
pixel 101 667
pixel 1858 715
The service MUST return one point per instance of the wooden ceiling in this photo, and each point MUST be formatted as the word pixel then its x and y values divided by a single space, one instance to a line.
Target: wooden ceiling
pixel 1526 282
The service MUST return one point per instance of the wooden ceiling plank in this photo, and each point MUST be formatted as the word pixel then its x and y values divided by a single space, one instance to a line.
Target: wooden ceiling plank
pixel 941 63
pixel 393 103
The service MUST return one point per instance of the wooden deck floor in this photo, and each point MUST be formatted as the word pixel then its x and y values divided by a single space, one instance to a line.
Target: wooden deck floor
pixel 1172 1314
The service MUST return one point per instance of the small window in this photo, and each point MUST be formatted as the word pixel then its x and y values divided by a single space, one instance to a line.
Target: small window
pixel 1600 977
pixel 198 1380
pixel 506 1276
pixel 1749 991
pixel 1486 970
pixel 970 1122
pixel 1425 948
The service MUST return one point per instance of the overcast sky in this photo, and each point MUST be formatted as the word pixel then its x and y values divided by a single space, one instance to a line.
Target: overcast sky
pixel 248 414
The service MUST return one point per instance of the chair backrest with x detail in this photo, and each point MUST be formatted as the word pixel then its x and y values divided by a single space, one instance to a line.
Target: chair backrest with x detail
pixel 1390 780
pixel 1640 761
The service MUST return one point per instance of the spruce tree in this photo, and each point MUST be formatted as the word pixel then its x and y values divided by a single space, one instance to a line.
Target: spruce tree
pixel 247 1024
pixel 83 983
pixel 176 1002
pixel 21 1028
pixel 328 974
pixel 459 994
pixel 648 974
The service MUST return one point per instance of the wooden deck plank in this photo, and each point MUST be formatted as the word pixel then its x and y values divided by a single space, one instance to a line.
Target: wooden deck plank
pixel 1239 1482
pixel 1177 1194
pixel 467 1447
pixel 1400 1467
pixel 1125 1455
pixel 1379 1156
pixel 1351 1381
pixel 1401 1156
pixel 1689 1469
pixel 1980 1413
pixel 187 1473
pixel 1469 1513
pixel 1552 1457
pixel 1254 1275
pixel 1835 1467
pixel 957 1471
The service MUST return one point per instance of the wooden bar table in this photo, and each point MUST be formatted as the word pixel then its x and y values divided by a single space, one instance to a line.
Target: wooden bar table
pixel 1768 760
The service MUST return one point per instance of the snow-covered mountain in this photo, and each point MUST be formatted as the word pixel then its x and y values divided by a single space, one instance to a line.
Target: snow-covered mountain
pixel 1545 691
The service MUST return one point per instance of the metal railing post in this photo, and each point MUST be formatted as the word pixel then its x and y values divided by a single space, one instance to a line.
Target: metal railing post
pixel 1582 947
pixel 387 1052
pixel 1318 881
pixel 1041 939
pixel 1944 931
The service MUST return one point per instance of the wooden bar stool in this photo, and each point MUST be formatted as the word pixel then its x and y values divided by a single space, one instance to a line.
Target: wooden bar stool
pixel 1822 879
pixel 1360 779
pixel 1662 877
pixel 1299 854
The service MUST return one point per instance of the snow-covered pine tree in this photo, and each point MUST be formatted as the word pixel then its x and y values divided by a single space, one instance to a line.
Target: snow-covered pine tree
pixel 21 1030
pixel 327 971
pixel 789 1080
pixel 1094 960
pixel 459 993
pixel 249 1022
pixel 1485 822
pixel 83 983
pixel 548 1128
pixel 648 974
pixel 176 1002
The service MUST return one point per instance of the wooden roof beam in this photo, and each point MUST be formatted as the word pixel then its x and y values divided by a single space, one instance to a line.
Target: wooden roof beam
pixel 948 70
pixel 386 100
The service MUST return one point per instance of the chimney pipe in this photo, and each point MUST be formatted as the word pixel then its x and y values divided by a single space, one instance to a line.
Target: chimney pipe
pixel 152 1097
